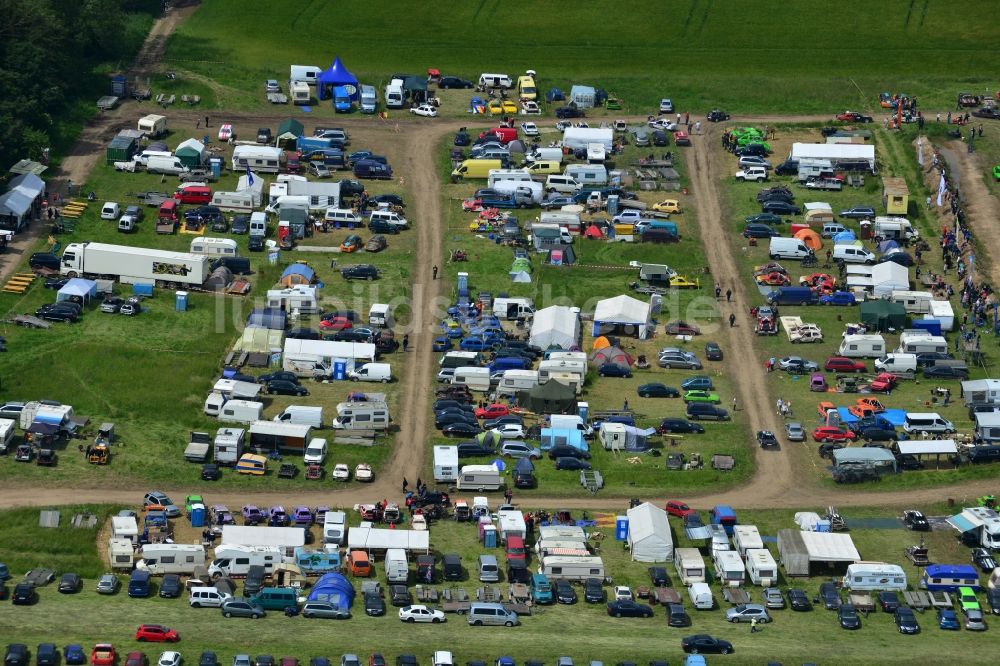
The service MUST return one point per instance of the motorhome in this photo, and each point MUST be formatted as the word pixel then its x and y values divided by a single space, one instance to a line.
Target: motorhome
pixel 362 416
pixel 761 567
pixel 234 561
pixel 477 379
pixel 479 477
pixel 729 569
pixel 164 558
pixel 895 228
pixel 571 568
pixel 874 576
pixel 690 565
pixel 746 537
pixel 862 346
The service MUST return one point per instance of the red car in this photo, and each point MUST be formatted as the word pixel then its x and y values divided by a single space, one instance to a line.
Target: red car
pixel 156 633
pixel 830 434
pixel 854 117
pixel 679 509
pixel 884 382
pixel 774 279
pixel 336 324
pixel 103 654
pixel 493 411
pixel 843 364
pixel 135 659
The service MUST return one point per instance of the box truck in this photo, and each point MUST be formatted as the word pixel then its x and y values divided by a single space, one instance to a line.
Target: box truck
pixel 134 265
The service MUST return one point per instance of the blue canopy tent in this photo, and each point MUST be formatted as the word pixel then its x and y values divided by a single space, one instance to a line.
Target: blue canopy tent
pixel 337 75
pixel 333 589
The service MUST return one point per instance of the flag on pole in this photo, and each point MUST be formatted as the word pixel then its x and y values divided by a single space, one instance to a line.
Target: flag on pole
pixel 250 178
pixel 941 188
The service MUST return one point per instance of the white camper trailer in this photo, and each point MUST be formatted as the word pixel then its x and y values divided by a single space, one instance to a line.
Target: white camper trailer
pixel 729 569
pixel 445 464
pixel 761 567
pixel 571 568
pixel 690 565
pixel 746 537
pixel 121 554
pixel 874 576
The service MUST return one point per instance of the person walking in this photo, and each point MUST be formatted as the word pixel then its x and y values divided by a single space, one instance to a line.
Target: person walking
pixel 753 625
pixel 729 295
pixel 778 405
pixel 625 405
pixel 734 403
pixel 434 270
pixel 405 484
pixel 206 121
pixel 732 320
pixel 406 342
pixel 718 290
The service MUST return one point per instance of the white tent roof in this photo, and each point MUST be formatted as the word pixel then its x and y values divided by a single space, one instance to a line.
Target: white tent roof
pixel 80 287
pixel 372 538
pixel 15 203
pixel 258 535
pixel 830 547
pixel 889 272
pixel 192 144
pixel 833 151
pixel 331 349
pixel 556 325
pixel 931 446
pixel 622 310
pixel 649 534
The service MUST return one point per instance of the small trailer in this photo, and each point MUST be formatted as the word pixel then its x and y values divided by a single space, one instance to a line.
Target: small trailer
pixel 456 600
pixel 940 599
pixel 917 600
pixel 736 595
pixel 107 102
pixel 592 480
pixel 862 602
pixel 666 595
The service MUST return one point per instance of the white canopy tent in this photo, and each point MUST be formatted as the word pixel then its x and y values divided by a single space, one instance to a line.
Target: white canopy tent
pixel 555 326
pixel 367 538
pixel 649 536
pixel 623 311
pixel 77 288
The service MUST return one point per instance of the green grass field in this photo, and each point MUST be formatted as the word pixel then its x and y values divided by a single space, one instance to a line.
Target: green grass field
pixel 745 56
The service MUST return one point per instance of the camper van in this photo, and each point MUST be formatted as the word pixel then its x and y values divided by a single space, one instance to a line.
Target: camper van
pixel 895 228
pixel 235 561
pixel 495 81
pixel 913 301
pixel 388 217
pixel 362 416
pixel 214 247
pixel 874 576
pixel 171 166
pixel 309 415
pixel 164 558
pixel 445 464
pixel 929 422
pixel 371 372
pixel 343 217
pixel 240 411
pixel 477 379
pixel 571 568
pixel 689 565
pixel 526 88
pixel 513 381
pixel 228 445
pixel 729 569
pixel 862 346
pixel 761 567
pixel 258 224
pixel 562 183
pixel 479 477
pixel 919 342
pixel 456 359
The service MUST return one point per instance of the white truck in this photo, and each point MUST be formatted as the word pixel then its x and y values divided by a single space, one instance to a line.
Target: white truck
pixel 513 308
pixel 397 569
pixel 135 265
pixel 235 561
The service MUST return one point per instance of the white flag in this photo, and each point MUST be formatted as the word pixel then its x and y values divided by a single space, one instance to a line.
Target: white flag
pixel 942 186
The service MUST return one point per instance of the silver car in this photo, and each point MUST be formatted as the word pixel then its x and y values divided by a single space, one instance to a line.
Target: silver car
pixel 747 612
pixel 640 138
pixel 241 608
pixel 321 609
pixel 974 619
pixel 108 584
pixel 673 360
pixel 773 598
pixel 795 432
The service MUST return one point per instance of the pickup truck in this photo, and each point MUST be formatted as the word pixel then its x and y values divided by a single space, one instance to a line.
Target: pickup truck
pixel 103 654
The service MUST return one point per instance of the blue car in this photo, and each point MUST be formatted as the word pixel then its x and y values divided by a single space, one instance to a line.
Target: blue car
pixel 73 654
pixel 948 620
pixel 838 298
pixel 441 344
pixel 697 383
pixel 473 344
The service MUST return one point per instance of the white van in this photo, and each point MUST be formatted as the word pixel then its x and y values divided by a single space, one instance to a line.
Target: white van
pixel 389 217
pixel 495 81
pixel 788 248
pixel 394 95
pixel 343 216
pixel 315 452
pixel 518 175
pixel 862 346
pixel 930 422
pixel 701 596
pixel 552 154
pixel 371 372
pixel 477 379
pixel 305 73
pixel 110 211
pixel 302 415
pixel 172 165
pixel 241 411
pixel 897 363
pixel 207 597
pixel 214 247
pixel 559 182
pixel 852 254
pixel 486 614
pixel 258 224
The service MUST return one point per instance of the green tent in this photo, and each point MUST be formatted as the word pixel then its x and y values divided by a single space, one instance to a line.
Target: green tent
pixel 548 398
pixel 289 132
pixel 881 315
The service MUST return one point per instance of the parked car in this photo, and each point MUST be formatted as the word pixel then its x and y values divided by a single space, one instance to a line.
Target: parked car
pixel 843 364
pixel 657 390
pixel 564 592
pixel 285 387
pixel 421 613
pixel 905 620
pixel 70 583
pixel 888 601
pixel 982 559
pixel 705 644
pixel 796 364
pixel 859 212
pixel 593 591
pixel 748 612
pixel 359 272
pixel 848 617
pixel 916 521
pixel 571 463
pixel 830 595
pixel 74 655
pixel 241 608
pixel 772 598
pixel 795 432
pixel 614 370
pixel 948 620
pixel 629 608
pixel 681 328
pixel 108 584
pixel 156 633
pixel 24 594
pixel 323 609
pixel 374 604
pixel 713 352
pixel 171 586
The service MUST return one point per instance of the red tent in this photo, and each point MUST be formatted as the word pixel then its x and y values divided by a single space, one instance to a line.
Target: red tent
pixel 593 232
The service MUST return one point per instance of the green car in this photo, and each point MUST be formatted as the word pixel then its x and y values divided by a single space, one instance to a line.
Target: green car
pixel 191 500
pixel 701 396
pixel 996 172
pixel 967 597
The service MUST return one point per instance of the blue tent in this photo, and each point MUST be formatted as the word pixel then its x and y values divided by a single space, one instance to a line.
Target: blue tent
pixel 844 237
pixel 333 589
pixel 297 274
pixel 336 75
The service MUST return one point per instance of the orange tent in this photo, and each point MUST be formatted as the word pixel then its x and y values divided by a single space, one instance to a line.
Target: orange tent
pixel 810 238
pixel 601 343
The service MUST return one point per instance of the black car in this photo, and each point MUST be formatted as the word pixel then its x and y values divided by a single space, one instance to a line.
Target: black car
pixel 629 608
pixel 693 520
pixel 264 660
pixel 830 595
pixel 717 116
pixel 564 451
pixel 946 372
pixel 780 208
pixel 567 462
pixel 461 430
pixel 70 583
pixel 878 435
pixel 593 591
pixel 47 654
pixel 462 138
pixel 210 472
pixel 513 419
pixel 444 403
pixel 283 375
pixel 759 231
pixel 569 112
pixel 565 594
pixel 752 149
pixel 713 352
pixel 658 576
pixel 283 387
pixel 930 358
pixel 887 601
pixel 763 218
pixel 171 586
pixel 905 620
pixel 56 283
pixel 374 604
pixel 679 426
pixel 453 82
pixel 220 225
pixel 901 258
pixel 359 272
pixel 16 655
pixel 614 370
pixel 264 135
pixel 57 314
pixel 391 199
pixel 44 260
pixel 350 335
pixel 705 644
pixel 657 390
pixel 916 521
pixel 848 617
pixel 517 572
pixel 766 439
pixel 859 212
pixel 798 600
pixel 677 616
pixel 660 138
pixel 982 559
pixel 24 594
pixel 208 658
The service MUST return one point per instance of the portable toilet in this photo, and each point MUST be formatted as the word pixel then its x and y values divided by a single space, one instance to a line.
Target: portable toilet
pixel 612 205
pixel 583 410
pixel 181 301
pixel 463 282
pixel 621 528
pixel 197 515
pixel 340 370
pixel 215 166
pixel 119 86
pixel 489 536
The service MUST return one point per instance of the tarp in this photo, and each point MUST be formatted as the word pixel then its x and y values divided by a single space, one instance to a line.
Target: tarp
pixel 833 152
pixel 549 398
pixel 557 325
pixel 78 287
pixel 844 237
pixel 918 447
pixel 289 538
pixel 272 318
pixel 331 349
pixel 334 589
pixel 810 238
pixel 881 315
pixel 649 536
pixel 865 456
pixel 14 204
pixel 610 355
pixel 336 75
pixel 622 310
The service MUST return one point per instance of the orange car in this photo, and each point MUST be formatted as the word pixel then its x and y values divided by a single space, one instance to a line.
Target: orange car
pixel 823 408
pixel 773 278
pixel 351 244
pixel 866 407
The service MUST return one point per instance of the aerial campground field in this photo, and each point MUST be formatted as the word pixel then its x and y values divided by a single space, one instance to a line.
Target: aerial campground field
pixel 693 98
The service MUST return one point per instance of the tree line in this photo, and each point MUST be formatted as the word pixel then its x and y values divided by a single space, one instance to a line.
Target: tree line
pixel 55 58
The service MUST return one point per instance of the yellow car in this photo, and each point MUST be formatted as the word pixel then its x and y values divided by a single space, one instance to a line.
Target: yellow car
pixel 509 106
pixel 667 206
pixel 681 282
pixel 494 107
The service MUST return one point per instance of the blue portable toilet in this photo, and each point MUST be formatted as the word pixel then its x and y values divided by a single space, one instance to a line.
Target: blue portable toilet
pixel 463 282
pixel 340 370
pixel 621 528
pixel 197 515
pixel 613 205
pixel 119 86
pixel 583 410
pixel 490 536
pixel 215 165
pixel 181 301
pixel 142 289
